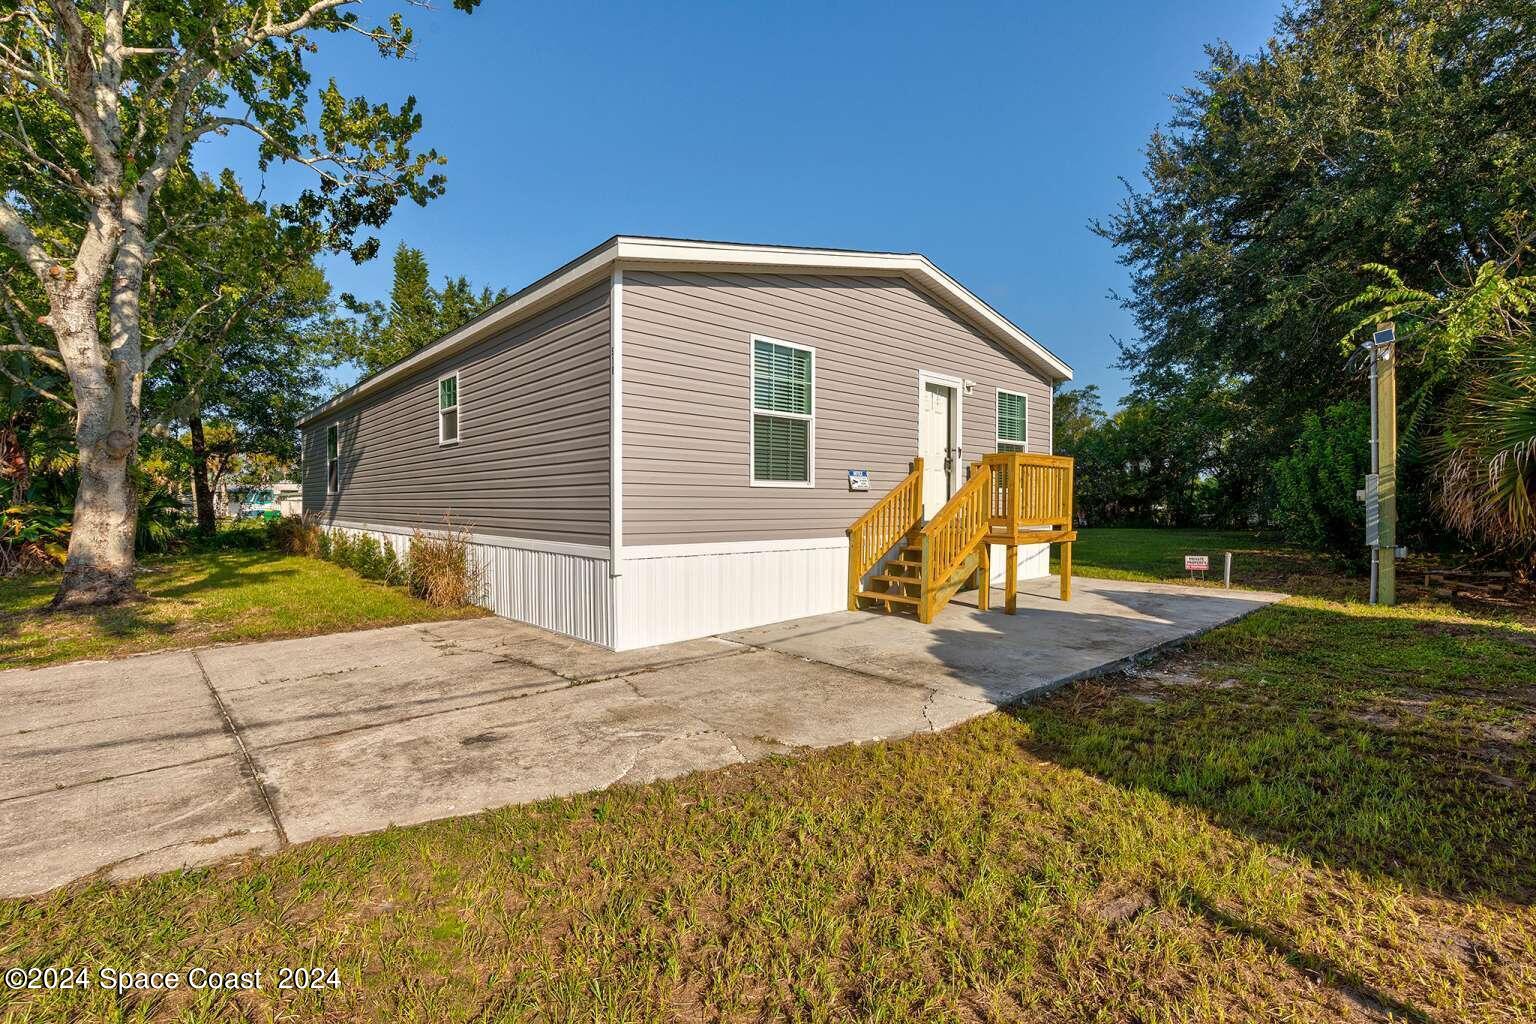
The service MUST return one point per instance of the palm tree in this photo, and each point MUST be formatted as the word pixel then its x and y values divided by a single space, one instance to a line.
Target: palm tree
pixel 1476 341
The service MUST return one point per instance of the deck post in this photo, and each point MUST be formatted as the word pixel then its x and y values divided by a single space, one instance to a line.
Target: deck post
pixel 1011 591
pixel 984 576
pixel 853 572
pixel 925 588
pixel 1066 570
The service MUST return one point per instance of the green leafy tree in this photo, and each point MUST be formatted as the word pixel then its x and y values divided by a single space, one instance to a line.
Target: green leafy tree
pixel 1315 485
pixel 1399 133
pixel 104 104
pixel 254 312
pixel 1174 462
pixel 415 315
pixel 1075 414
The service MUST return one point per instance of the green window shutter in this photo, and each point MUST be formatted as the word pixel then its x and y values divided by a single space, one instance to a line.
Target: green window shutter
pixel 1012 430
pixel 780 449
pixel 781 379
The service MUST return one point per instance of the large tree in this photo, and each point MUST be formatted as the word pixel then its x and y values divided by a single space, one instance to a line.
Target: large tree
pixel 254 311
pixel 104 102
pixel 1399 132
pixel 415 315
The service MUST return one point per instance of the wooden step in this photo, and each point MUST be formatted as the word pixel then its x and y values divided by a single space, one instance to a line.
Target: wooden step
pixel 906 563
pixel 880 595
pixel 910 581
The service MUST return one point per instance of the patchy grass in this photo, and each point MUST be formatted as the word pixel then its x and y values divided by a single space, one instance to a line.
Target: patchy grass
pixel 200 598
pixel 1324 812
pixel 1260 561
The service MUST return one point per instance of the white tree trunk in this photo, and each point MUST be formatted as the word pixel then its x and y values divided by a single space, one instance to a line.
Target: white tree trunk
pixel 100 566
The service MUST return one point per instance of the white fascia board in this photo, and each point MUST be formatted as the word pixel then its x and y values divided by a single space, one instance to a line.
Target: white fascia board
pixel 664 253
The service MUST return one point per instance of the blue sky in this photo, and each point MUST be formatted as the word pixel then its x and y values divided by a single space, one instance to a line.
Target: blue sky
pixel 985 135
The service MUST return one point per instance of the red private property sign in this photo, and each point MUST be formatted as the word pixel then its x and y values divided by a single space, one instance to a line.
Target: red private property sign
pixel 1197 563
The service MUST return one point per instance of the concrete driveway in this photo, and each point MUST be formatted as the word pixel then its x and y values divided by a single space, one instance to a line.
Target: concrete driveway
pixel 146 764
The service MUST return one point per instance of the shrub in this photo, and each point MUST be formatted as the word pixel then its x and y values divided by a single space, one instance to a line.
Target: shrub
pixel 161 522
pixel 367 557
pixel 342 547
pixel 1315 485
pixel 33 536
pixel 391 568
pixel 440 569
pixel 295 535
pixel 323 543
pixel 242 535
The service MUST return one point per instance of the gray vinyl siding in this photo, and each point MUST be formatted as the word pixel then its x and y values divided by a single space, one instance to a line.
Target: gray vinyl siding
pixel 532 460
pixel 687 395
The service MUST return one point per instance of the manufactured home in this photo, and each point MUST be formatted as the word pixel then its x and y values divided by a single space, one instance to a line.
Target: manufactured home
pixel 665 439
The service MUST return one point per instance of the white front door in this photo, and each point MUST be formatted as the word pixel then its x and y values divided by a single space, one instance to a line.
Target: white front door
pixel 935 443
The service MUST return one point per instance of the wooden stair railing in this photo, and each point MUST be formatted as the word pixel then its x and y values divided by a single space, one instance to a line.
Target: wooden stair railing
pixel 954 546
pixel 877 531
pixel 1032 504
pixel 1011 499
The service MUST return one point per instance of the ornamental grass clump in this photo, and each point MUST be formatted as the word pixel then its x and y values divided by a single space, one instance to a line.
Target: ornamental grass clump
pixel 296 535
pixel 441 569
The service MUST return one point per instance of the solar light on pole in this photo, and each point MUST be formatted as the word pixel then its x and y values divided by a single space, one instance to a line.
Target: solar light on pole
pixel 1381 484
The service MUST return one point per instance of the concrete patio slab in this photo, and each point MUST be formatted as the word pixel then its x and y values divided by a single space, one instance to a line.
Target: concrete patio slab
pixel 68 725
pixel 132 825
pixel 997 658
pixel 464 761
pixel 154 762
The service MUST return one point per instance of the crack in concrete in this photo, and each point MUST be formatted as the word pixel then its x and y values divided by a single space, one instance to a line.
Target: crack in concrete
pixel 402 719
pixel 251 770
pixel 75 724
pixel 927 702
pixel 64 788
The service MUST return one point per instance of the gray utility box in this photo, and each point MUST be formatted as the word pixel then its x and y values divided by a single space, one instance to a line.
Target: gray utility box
pixel 1372 510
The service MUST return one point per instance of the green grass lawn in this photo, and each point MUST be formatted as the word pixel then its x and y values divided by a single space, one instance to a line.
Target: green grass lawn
pixel 1259 561
pixel 211 597
pixel 1324 812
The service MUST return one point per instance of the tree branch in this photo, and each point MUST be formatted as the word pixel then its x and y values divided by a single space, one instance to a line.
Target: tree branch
pixel 33 387
pixel 286 29
pixel 24 243
pixel 37 352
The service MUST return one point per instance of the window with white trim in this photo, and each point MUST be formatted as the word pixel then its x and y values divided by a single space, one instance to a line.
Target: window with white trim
pixel 448 409
pixel 332 459
pixel 1012 421
pixel 783 413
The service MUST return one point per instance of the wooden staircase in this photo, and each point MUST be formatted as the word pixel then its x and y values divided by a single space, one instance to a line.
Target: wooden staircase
pixel 1010 499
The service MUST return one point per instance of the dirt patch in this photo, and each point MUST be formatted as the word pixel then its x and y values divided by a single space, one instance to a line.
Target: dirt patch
pixel 1123 907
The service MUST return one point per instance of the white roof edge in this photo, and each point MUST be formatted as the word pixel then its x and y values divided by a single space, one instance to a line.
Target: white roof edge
pixel 595 264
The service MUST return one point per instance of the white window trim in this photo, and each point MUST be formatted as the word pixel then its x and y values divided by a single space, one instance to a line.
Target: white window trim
pixel 752 414
pixel 457 408
pixel 333 480
pixel 997 419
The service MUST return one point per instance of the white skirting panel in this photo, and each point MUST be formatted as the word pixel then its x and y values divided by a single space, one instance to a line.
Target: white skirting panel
pixel 685 591
pixel 1034 562
pixel 560 587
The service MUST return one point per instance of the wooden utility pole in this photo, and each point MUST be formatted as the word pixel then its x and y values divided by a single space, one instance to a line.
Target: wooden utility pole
pixel 1384 367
